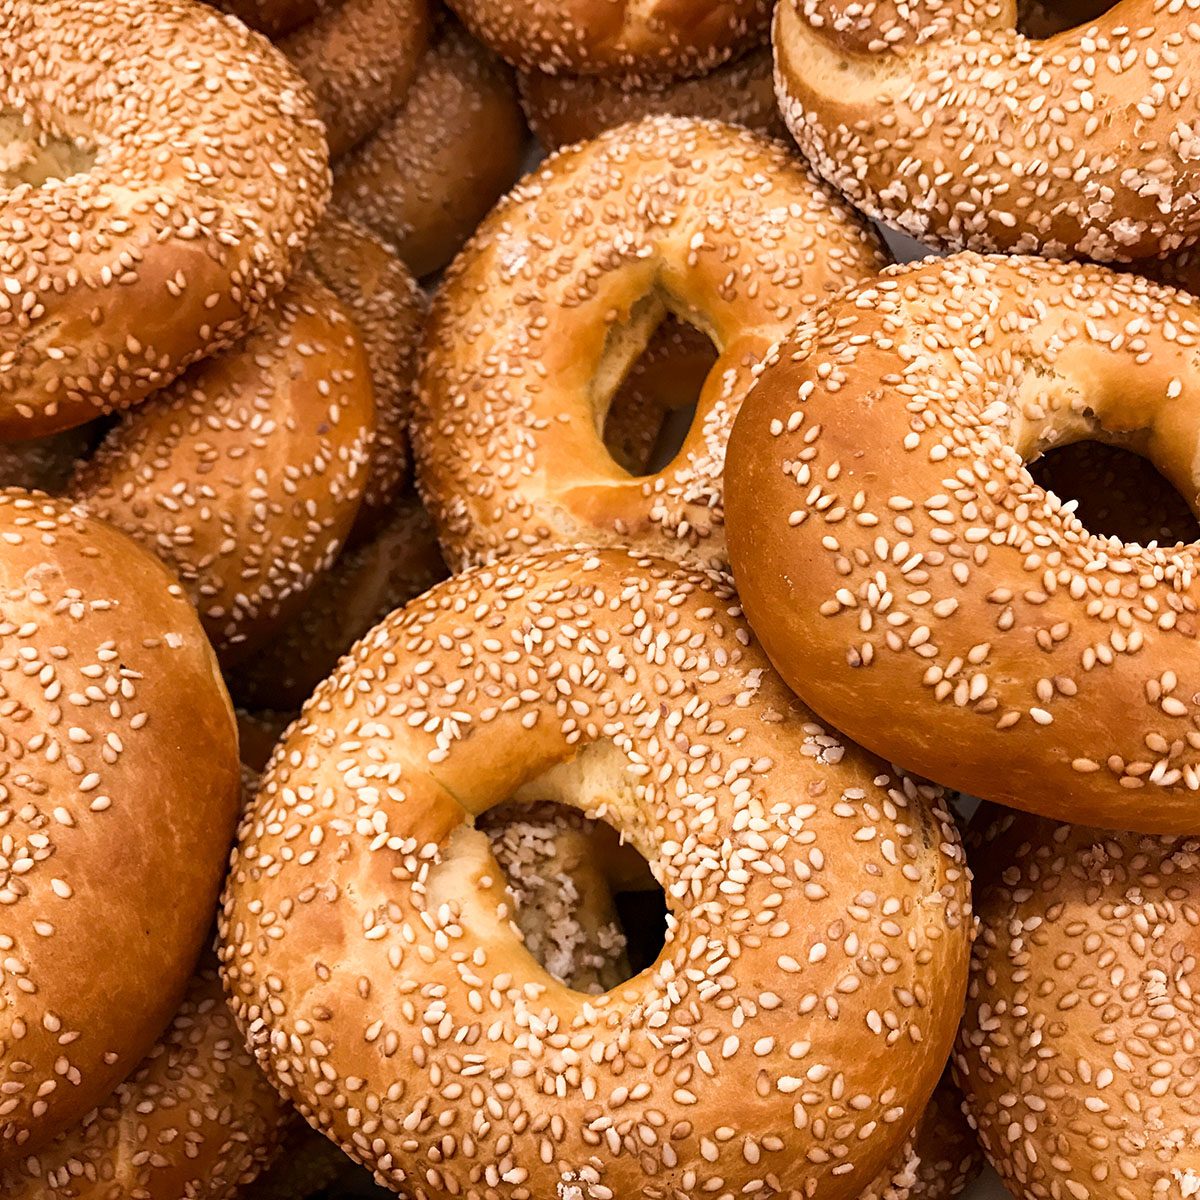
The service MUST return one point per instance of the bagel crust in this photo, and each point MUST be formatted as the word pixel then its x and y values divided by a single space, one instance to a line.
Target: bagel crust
pixel 245 476
pixel 120 779
pixel 941 119
pixel 195 1119
pixel 667 38
pixel 542 315
pixel 896 556
pixel 154 197
pixel 1077 1053
pixel 819 904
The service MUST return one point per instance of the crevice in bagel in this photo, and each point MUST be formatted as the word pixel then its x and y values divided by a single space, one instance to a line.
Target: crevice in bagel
pixel 31 155
pixel 1039 19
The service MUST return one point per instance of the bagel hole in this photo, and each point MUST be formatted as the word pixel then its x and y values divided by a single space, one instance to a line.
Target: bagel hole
pixel 1040 19
pixel 654 405
pixel 33 156
pixel 586 904
pixel 1118 493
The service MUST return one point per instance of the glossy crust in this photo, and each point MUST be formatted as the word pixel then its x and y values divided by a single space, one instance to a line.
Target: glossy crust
pixel 360 59
pixel 1077 1049
pixel 246 475
pixel 562 109
pixel 664 38
pixel 194 1121
pixel 816 950
pixel 120 773
pixel 541 316
pixel 897 558
pixel 158 237
pixel 388 309
pixel 943 120
pixel 366 584
pixel 424 180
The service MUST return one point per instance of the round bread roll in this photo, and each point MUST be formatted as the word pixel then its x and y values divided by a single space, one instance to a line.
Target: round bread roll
pixel 664 38
pixel 562 109
pixel 819 921
pixel 196 1120
pixel 1077 1050
pixel 365 584
pixel 943 120
pixel 246 475
pixel 895 555
pixel 388 309
pixel 540 318
pixel 120 779
pixel 429 173
pixel 360 58
pixel 153 200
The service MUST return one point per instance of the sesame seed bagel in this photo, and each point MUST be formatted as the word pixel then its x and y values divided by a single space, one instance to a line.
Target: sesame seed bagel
pixel 360 58
pixel 195 1120
pixel 388 309
pixel 562 109
pixel 541 316
pixel 246 475
pixel 819 905
pixel 424 180
pixel 1077 1053
pixel 945 121
pixel 895 555
pixel 120 776
pixel 153 201
pixel 361 588
pixel 666 38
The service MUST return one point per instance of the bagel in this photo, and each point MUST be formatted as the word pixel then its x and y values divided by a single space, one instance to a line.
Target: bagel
pixel 153 200
pixel 441 1055
pixel 562 109
pixel 583 37
pixel 1077 1049
pixel 895 555
pixel 425 178
pixel 361 589
pixel 944 121
pixel 360 58
pixel 120 773
pixel 388 309
pixel 540 317
pixel 195 1119
pixel 246 475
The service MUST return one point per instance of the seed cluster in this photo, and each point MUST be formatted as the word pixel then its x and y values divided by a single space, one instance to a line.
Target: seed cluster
pixel 819 907
pixel 1078 1049
pixel 105 677
pixel 945 121
pixel 559 291
pixel 1025 659
pixel 162 168
pixel 245 476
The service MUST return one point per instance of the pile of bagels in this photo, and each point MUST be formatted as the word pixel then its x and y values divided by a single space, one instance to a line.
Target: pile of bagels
pixel 537 662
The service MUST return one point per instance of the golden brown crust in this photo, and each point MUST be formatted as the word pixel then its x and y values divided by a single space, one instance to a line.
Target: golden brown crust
pixel 366 584
pixel 160 237
pixel 430 172
pixel 246 475
pixel 360 59
pixel 120 773
pixel 195 1119
pixel 820 911
pixel 565 281
pixel 1077 1049
pixel 941 119
pixel 388 309
pixel 562 109
pixel 664 38
pixel 896 557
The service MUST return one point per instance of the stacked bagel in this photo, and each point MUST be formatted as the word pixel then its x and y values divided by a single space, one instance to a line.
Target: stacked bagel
pixel 493 672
